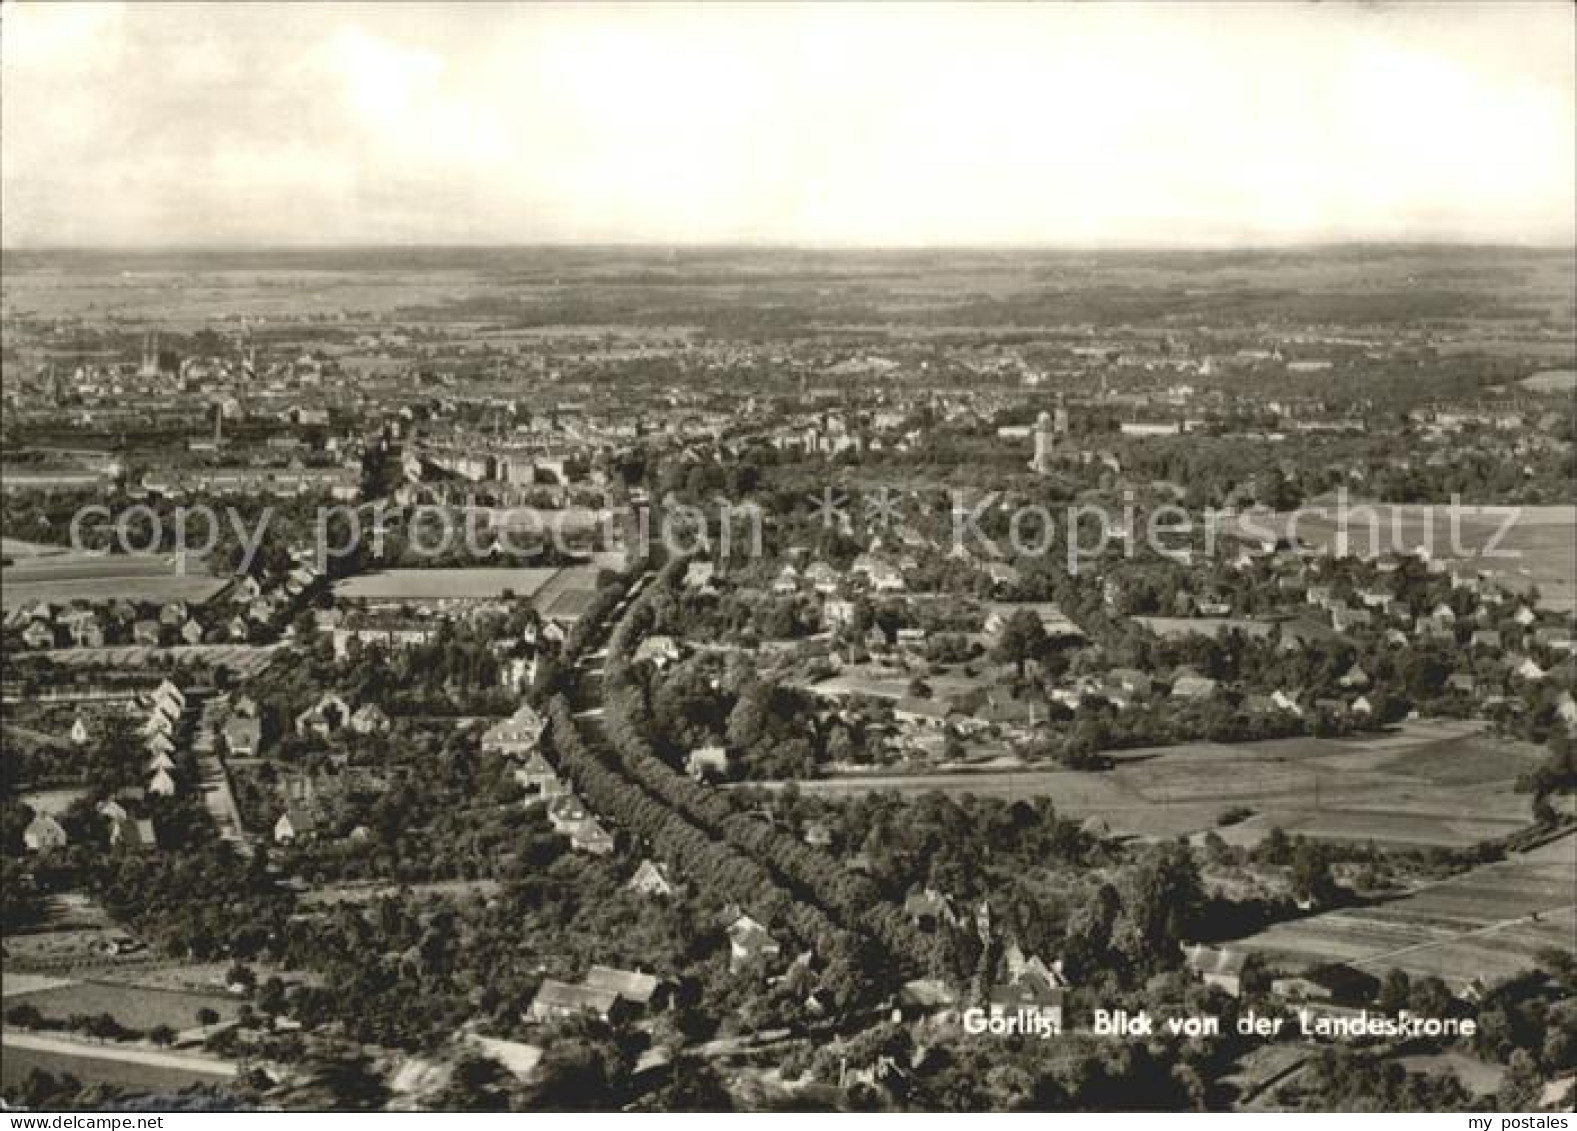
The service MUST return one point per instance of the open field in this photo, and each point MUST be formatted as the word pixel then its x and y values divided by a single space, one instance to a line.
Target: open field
pixel 91 577
pixel 136 1007
pixel 1204 626
pixel 1551 381
pixel 366 891
pixel 1427 784
pixel 1489 922
pixel 891 681
pixel 242 659
pixel 16 548
pixel 566 596
pixel 131 1068
pixel 51 801
pixel 559 593
pixel 441 584
pixel 670 291
pixel 1525 545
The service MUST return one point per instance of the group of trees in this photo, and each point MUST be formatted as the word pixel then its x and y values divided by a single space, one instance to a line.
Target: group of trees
pixel 722 868
pixel 851 900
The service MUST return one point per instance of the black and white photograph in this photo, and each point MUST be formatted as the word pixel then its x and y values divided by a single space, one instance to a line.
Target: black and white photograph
pixel 788 556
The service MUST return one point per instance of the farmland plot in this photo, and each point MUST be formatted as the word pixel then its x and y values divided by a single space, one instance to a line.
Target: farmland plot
pixel 1490 922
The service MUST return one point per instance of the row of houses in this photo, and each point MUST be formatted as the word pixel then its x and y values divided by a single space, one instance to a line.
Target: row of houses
pixel 519 737
pixel 246 616
pixel 166 722
pixel 162 728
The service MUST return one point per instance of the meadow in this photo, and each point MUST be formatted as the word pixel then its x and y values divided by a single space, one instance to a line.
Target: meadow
pixel 1442 784
pixel 1526 546
pixel 70 576
pixel 135 1007
pixel 442 584
pixel 151 1072
pixel 1489 922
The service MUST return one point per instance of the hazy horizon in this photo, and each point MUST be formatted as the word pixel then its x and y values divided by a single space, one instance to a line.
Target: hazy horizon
pixel 655 247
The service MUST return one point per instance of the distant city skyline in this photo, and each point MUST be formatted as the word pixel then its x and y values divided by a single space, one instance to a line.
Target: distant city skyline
pixel 852 126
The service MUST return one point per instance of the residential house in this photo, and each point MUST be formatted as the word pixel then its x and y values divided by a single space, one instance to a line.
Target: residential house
pixel 1554 638
pixel 83 628
pixel 246 590
pixel 243 735
pixel 129 833
pixel 369 718
pixel 1345 618
pixel 888 579
pixel 1221 967
pixel 708 763
pixel 1191 686
pixel 590 837
pixel 1525 667
pixel 911 638
pixel 837 613
pixel 39 634
pixel 325 717
pixel 822 578
pixel 162 784
pixel 641 990
pixel 1052 621
pixel 1464 683
pixel 1566 710
pixel 44 833
pixel 538 776
pixel 566 814
pixel 1354 676
pixel 1286 702
pixel 749 943
pixel 1031 1000
pixel 1003 576
pixel 658 650
pixel 169 696
pixel 515 736
pixel 928 909
pixel 700 575
pixel 557 999
pixel 1130 681
pixel 159 721
pixel 651 878
pixel 296 823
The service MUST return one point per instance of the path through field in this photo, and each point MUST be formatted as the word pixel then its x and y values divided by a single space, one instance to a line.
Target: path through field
pixel 1489 922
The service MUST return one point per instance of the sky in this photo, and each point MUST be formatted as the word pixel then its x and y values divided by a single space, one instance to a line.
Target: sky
pixel 1049 125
